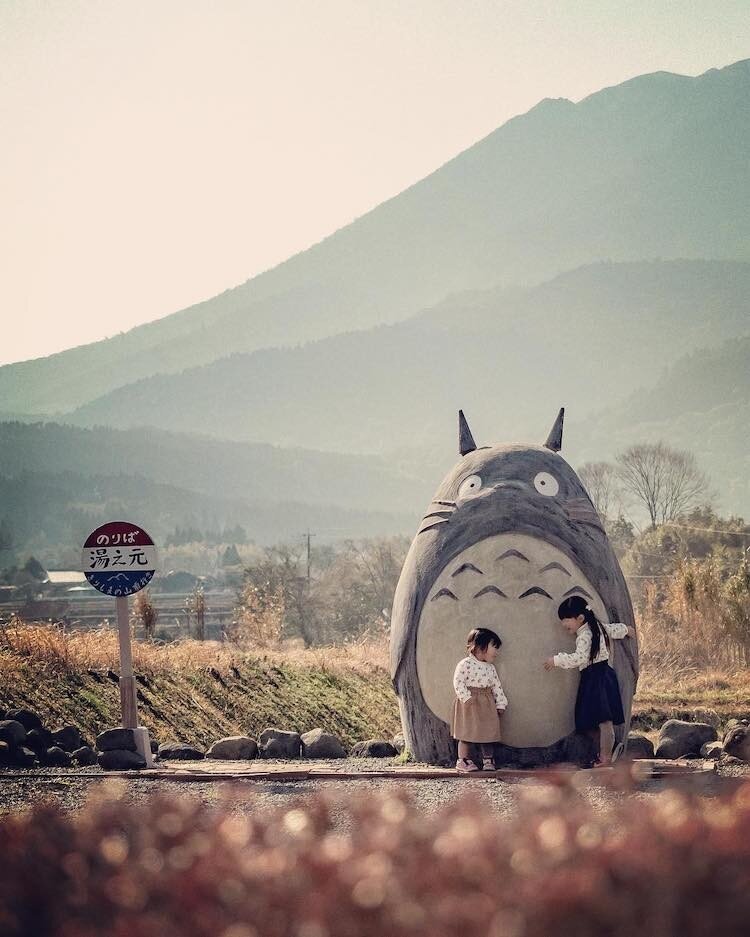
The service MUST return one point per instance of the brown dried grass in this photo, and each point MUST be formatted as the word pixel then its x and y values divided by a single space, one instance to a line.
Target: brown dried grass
pixel 52 648
pixel 678 667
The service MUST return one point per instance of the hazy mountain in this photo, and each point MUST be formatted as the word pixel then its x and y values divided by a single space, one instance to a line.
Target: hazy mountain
pixel 586 339
pixel 653 168
pixel 55 512
pixel 58 482
pixel 702 404
pixel 238 471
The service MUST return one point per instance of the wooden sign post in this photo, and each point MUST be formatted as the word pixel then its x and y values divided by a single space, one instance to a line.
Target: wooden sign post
pixel 119 559
pixel 128 697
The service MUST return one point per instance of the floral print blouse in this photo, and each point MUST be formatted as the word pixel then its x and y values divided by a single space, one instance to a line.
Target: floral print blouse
pixel 473 672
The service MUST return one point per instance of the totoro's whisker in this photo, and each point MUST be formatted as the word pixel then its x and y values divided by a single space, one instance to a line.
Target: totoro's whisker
pixel 444 593
pixel 508 553
pixel 432 526
pixel 450 504
pixel 467 567
pixel 437 514
pixel 559 566
pixel 535 590
pixel 577 590
pixel 491 589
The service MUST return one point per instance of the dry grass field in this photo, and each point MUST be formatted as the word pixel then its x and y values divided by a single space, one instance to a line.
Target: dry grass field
pixel 197 691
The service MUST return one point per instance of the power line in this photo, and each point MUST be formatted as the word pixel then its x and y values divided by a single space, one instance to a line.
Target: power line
pixel 644 553
pixel 710 530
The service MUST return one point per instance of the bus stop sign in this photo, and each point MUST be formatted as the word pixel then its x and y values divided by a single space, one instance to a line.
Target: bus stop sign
pixel 119 558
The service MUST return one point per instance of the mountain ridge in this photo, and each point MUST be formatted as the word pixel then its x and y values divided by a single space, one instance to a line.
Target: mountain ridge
pixel 643 169
pixel 373 390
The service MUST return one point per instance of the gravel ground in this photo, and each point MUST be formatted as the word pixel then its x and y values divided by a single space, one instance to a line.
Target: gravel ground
pixel 70 790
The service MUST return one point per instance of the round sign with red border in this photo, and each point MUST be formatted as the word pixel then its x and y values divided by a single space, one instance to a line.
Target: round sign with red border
pixel 119 558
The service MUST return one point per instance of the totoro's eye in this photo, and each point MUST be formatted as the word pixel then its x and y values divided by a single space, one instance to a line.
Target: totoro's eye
pixel 546 484
pixel 470 486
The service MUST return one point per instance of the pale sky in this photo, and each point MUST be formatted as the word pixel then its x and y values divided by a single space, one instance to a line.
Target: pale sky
pixel 156 152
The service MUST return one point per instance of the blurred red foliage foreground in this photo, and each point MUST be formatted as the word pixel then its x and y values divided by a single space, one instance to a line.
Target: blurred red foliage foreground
pixel 666 865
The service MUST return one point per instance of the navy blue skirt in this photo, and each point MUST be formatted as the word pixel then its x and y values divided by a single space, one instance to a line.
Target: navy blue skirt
pixel 598 698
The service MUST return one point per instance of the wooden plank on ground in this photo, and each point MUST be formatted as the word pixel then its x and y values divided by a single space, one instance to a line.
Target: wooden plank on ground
pixel 644 769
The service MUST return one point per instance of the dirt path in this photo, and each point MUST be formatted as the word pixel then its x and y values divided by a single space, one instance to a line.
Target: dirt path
pixel 246 794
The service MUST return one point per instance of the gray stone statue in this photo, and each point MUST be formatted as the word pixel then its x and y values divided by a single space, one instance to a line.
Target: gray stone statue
pixel 510 532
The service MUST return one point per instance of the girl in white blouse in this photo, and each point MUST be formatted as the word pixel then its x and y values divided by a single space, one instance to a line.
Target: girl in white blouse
pixel 598 702
pixel 480 700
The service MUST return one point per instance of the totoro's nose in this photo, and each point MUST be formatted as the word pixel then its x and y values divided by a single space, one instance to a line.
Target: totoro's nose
pixel 511 485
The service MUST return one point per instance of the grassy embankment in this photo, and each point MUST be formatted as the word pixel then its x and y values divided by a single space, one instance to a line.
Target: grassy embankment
pixel 198 692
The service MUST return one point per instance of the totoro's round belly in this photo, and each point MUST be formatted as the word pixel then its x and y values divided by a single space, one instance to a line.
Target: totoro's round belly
pixel 540 703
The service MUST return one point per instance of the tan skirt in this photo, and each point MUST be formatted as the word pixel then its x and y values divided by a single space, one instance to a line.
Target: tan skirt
pixel 477 719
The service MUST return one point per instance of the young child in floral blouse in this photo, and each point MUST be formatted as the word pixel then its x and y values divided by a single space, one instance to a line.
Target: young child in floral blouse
pixel 480 700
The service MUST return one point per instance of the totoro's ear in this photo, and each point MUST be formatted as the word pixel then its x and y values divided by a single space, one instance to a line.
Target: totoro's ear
pixel 465 439
pixel 554 440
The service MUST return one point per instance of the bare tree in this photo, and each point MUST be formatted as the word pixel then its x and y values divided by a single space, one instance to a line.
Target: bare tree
pixel 666 481
pixel 354 593
pixel 600 480
pixel 195 607
pixel 144 613
pixel 259 616
pixel 280 572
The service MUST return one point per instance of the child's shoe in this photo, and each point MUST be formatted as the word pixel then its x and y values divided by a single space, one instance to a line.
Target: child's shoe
pixel 488 764
pixel 464 766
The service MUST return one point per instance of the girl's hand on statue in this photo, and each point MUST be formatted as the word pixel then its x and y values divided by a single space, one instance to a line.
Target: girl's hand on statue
pixel 549 663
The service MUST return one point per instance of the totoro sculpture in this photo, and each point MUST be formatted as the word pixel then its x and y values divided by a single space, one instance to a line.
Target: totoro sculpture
pixel 510 532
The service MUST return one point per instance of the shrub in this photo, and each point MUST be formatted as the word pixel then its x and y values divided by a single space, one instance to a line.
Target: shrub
pixel 377 867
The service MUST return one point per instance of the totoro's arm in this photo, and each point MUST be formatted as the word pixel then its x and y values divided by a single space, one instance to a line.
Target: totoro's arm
pixel 403 613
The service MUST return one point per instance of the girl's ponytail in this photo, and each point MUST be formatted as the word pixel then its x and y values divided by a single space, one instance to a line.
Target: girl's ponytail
pixel 576 605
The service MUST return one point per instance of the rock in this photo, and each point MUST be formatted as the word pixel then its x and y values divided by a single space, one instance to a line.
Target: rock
pixel 669 749
pixel 320 744
pixel 639 746
pixel 22 757
pixel 708 716
pixel 113 759
pixel 55 757
pixel 154 746
pixel 729 761
pixel 733 723
pixel 374 748
pixel 275 743
pixel 399 742
pixel 712 750
pixel 678 738
pixel 12 732
pixel 39 740
pixel 737 742
pixel 68 738
pixel 178 751
pixel 116 740
pixel 4 753
pixel 28 719
pixel 235 747
pixel 84 756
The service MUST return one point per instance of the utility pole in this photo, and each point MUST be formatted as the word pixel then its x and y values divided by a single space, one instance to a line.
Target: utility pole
pixel 305 598
pixel 307 537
